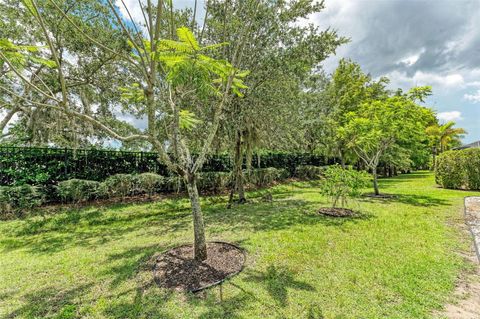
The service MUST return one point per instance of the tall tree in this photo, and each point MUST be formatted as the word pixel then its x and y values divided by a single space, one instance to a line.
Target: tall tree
pixel 281 55
pixel 348 88
pixel 177 84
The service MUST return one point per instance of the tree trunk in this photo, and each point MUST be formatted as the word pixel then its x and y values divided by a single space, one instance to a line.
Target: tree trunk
pixel 375 181
pixel 342 159
pixel 239 185
pixel 200 244
pixel 434 155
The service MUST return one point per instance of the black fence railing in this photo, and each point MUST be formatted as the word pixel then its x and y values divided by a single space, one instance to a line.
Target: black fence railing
pixel 48 166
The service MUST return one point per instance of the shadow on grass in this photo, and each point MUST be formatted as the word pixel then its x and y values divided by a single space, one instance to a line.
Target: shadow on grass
pixel 411 199
pixel 90 228
pixel 51 302
pixel 127 264
pixel 274 216
pixel 277 281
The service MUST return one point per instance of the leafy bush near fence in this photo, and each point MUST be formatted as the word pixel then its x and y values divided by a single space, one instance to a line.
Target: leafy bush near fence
pixel 213 181
pixel 262 177
pixel 120 185
pixel 48 166
pixel 309 171
pixel 149 183
pixel 18 200
pixel 459 169
pixel 79 190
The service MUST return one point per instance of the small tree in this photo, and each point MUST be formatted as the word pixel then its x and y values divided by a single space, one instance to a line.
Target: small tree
pixel 341 184
pixel 380 125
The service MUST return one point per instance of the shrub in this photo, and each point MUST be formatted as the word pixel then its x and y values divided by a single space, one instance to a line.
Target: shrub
pixel 265 176
pixel 149 183
pixel 15 201
pixel 309 171
pixel 78 190
pixel 173 184
pixel 213 181
pixel 341 184
pixel 472 167
pixel 459 169
pixel 120 185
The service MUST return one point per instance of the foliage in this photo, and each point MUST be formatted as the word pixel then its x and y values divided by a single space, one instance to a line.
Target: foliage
pixel 391 126
pixel 262 177
pixel 120 185
pixel 213 181
pixel 48 166
pixel 149 183
pixel 459 169
pixel 307 172
pixel 16 201
pixel 445 136
pixel 341 184
pixel 78 190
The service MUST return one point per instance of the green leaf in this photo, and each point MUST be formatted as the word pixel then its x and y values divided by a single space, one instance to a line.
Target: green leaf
pixel 48 63
pixel 30 7
pixel 186 36
pixel 188 120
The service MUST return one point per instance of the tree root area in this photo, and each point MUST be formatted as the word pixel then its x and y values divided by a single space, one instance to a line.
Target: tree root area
pixel 336 212
pixel 177 269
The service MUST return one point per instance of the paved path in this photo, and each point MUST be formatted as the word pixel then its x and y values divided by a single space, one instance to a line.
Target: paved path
pixel 468 289
pixel 472 216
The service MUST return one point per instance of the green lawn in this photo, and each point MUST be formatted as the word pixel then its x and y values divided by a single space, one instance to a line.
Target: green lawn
pixel 398 260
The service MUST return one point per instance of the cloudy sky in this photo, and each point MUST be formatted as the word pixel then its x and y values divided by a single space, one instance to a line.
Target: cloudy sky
pixel 413 42
pixel 416 42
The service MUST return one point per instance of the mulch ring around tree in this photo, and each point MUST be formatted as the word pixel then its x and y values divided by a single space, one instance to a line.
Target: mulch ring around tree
pixel 381 196
pixel 177 269
pixel 336 212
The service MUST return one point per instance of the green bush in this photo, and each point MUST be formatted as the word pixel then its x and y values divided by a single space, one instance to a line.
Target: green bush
pixel 120 185
pixel 148 183
pixel 173 184
pixel 16 201
pixel 266 176
pixel 472 167
pixel 213 181
pixel 459 169
pixel 79 190
pixel 309 171
pixel 340 184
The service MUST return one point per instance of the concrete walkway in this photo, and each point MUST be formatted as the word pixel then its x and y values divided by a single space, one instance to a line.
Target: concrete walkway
pixel 467 291
pixel 472 217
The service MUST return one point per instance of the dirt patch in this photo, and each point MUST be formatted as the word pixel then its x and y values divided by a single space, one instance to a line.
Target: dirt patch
pixel 336 212
pixel 176 269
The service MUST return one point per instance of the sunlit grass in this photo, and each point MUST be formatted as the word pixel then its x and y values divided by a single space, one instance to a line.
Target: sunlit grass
pixel 399 259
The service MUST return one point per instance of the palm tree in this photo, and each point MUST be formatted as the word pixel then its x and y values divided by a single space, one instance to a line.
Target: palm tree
pixel 444 137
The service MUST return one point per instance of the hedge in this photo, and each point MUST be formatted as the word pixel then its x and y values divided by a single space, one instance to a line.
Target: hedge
pixel 16 201
pixel 459 169
pixel 49 166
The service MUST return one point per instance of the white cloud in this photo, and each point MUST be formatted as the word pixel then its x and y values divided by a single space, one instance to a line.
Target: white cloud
pixel 403 80
pixel 450 116
pixel 475 97
pixel 133 7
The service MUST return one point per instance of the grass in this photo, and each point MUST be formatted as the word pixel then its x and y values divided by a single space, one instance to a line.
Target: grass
pixel 400 259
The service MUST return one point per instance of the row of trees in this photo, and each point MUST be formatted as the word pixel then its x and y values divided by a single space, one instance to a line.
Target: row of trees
pixel 243 77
